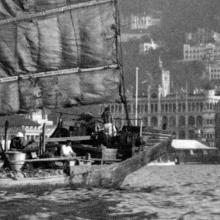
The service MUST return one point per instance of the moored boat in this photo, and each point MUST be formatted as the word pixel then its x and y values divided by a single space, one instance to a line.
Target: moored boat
pixel 60 55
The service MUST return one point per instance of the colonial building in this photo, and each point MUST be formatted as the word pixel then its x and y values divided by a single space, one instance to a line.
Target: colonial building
pixel 201 52
pixel 213 70
pixel 30 125
pixel 143 22
pixel 18 123
pixel 185 115
pixel 201 36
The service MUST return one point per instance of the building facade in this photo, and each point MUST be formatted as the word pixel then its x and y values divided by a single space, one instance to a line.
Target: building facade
pixel 143 22
pixel 201 52
pixel 186 116
pixel 213 70
pixel 201 36
pixel 30 125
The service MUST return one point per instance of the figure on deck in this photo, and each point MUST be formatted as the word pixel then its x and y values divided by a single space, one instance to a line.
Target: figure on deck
pixel 109 128
pixel 17 142
pixel 66 150
pixel 106 115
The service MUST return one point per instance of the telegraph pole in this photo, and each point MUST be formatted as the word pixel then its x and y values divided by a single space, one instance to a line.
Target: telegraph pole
pixel 136 98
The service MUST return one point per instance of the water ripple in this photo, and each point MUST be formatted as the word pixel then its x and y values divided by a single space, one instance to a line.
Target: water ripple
pixel 180 193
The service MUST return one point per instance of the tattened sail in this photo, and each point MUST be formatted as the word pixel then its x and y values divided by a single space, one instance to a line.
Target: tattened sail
pixel 57 53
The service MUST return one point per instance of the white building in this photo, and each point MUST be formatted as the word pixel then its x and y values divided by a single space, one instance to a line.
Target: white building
pixel 165 82
pixel 30 125
pixel 213 70
pixel 201 52
pixel 143 22
pixel 164 90
pixel 145 47
pixel 41 117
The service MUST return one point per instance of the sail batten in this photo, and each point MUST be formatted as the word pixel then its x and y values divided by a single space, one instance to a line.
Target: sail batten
pixel 55 73
pixel 43 13
pixel 63 56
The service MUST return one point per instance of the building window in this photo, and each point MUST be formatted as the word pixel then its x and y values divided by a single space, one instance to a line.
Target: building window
pixel 174 107
pixel 166 107
pixel 139 108
pixel 129 108
pixel 172 122
pixel 207 106
pixel 179 107
pixel 191 121
pixel 146 107
pixel 112 108
pixel 162 107
pixel 199 121
pixel 201 107
pixel 156 109
pixel 183 107
pixel 170 107
pixel 152 108
pixel 182 121
pixel 197 107
pixel 189 107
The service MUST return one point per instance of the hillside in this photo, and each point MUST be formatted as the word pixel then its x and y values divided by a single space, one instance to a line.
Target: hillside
pixel 177 18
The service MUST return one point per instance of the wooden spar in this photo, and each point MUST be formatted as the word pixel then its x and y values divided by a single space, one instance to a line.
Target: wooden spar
pixel 75 138
pixel 42 141
pixel 6 135
pixel 55 73
pixel 24 17
pixel 120 59
pixel 43 138
pixel 4 157
pixel 87 148
pixel 64 159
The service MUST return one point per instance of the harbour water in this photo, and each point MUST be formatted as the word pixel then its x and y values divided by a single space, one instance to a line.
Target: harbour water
pixel 184 192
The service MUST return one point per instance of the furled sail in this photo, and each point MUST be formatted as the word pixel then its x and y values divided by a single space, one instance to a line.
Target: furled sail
pixel 57 53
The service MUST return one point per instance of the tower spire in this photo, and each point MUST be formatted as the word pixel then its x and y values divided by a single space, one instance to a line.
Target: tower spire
pixel 160 63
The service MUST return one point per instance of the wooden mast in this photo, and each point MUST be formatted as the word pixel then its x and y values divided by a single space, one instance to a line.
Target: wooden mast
pixel 120 62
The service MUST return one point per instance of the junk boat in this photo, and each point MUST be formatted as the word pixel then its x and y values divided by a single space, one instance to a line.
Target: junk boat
pixel 59 54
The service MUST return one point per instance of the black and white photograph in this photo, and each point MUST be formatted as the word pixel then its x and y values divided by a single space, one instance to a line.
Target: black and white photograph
pixel 109 109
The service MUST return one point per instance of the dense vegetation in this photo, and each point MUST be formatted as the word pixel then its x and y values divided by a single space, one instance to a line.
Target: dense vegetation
pixel 177 18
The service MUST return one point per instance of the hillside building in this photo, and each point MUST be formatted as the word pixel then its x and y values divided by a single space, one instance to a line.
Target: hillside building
pixel 201 52
pixel 147 46
pixel 213 70
pixel 139 22
pixel 201 36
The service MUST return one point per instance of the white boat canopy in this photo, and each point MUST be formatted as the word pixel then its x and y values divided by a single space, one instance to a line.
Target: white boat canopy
pixel 179 144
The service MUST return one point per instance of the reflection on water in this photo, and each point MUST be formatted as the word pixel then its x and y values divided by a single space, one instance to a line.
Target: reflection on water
pixel 177 192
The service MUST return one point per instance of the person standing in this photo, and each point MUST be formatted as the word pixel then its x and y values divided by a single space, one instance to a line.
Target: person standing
pixel 106 115
pixel 17 142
